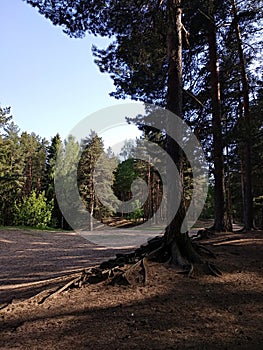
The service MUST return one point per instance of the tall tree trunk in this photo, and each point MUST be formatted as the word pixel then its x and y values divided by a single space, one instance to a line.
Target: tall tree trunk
pixel 182 251
pixel 246 177
pixel 174 104
pixel 150 199
pixel 29 176
pixel 229 211
pixel 219 223
pixel 91 195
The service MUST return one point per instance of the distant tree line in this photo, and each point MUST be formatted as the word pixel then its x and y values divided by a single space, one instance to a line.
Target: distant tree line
pixel 27 170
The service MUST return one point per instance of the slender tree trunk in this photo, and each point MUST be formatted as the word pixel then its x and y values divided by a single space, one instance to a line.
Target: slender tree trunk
pixel 229 211
pixel 92 195
pixel 219 223
pixel 29 177
pixel 150 199
pixel 246 177
pixel 174 104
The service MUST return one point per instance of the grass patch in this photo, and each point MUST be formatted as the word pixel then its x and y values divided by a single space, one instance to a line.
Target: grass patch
pixel 29 228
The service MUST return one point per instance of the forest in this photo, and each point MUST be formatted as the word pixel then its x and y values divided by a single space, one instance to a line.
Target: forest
pixel 200 61
pixel 219 93
pixel 27 182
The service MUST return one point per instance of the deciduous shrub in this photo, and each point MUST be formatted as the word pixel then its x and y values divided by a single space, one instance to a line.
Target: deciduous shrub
pixel 34 211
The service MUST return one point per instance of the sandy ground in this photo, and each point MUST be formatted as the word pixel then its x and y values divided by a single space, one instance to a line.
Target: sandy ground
pixel 170 312
pixel 30 259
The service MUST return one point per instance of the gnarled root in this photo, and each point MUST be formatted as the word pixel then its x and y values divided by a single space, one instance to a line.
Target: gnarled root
pixel 188 254
pixel 136 274
pixel 212 269
pixel 132 268
pixel 204 250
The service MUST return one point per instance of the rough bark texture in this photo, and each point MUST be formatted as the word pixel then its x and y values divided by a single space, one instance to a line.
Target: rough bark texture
pixel 246 173
pixel 219 224
pixel 174 104
pixel 177 243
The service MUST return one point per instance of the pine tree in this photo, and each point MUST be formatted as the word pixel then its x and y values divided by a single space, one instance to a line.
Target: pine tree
pixel 257 155
pixel 11 168
pixel 34 157
pixel 52 152
pixel 65 178
pixel 155 36
pixel 95 178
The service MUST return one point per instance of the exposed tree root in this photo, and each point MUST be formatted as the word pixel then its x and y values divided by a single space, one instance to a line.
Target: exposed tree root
pixel 188 255
pixel 188 270
pixel 136 274
pixel 202 249
pixel 213 269
pixel 246 230
pixel 204 234
pixel 132 268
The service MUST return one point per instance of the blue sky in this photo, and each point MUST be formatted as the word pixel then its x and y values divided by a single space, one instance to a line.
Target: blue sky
pixel 49 80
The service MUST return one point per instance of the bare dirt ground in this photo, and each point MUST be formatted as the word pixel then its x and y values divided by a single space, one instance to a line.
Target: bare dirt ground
pixel 170 312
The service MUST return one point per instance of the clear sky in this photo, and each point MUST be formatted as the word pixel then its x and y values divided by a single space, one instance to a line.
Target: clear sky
pixel 49 80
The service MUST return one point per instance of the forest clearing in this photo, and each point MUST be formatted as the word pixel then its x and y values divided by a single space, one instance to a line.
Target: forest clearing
pixel 170 312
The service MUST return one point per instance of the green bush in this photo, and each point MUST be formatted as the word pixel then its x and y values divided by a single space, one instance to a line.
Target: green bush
pixel 137 213
pixel 34 211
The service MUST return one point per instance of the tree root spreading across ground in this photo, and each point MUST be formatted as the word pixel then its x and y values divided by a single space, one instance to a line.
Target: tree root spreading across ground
pixel 132 268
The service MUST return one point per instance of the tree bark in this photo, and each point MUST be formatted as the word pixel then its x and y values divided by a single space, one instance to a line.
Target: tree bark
pixel 219 200
pixel 91 194
pixel 174 104
pixel 181 250
pixel 246 173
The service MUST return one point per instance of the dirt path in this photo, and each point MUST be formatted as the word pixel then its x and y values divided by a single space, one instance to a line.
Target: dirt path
pixel 170 312
pixel 29 257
